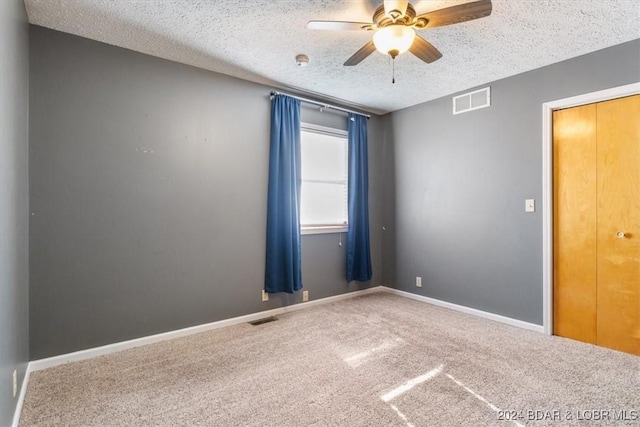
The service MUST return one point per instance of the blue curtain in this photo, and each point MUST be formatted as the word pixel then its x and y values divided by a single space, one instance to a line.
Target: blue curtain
pixel 283 271
pixel 358 251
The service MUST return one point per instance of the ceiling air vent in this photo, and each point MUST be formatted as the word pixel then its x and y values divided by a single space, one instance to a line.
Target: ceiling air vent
pixel 472 100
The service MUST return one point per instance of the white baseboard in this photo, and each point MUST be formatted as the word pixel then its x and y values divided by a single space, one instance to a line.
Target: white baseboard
pixel 468 310
pixel 23 392
pixel 49 362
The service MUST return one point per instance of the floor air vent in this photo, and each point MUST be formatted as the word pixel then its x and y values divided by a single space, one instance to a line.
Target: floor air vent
pixel 262 321
pixel 472 101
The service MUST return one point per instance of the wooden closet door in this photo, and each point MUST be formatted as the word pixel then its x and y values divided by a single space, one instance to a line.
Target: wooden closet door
pixel 574 219
pixel 618 212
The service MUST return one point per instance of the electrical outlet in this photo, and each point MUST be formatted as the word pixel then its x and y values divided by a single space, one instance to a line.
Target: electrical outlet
pixel 15 383
pixel 265 295
pixel 305 296
pixel 419 282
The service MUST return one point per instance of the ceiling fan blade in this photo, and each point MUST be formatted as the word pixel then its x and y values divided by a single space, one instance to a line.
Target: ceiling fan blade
pixel 395 9
pixel 361 54
pixel 339 25
pixel 456 14
pixel 424 50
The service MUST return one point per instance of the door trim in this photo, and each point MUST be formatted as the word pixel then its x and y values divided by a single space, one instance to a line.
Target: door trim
pixel 547 184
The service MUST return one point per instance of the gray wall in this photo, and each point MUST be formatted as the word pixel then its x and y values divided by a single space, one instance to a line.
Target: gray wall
pixel 388 205
pixel 14 201
pixel 461 182
pixel 148 194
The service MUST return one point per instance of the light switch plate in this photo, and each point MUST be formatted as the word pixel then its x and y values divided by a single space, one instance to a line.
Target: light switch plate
pixel 530 205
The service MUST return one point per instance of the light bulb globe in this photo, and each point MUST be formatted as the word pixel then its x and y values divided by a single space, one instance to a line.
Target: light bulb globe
pixel 394 39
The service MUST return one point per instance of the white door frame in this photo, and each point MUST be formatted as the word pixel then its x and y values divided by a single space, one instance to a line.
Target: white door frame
pixel 547 184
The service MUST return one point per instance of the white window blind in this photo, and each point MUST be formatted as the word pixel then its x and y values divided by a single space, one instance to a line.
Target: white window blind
pixel 324 176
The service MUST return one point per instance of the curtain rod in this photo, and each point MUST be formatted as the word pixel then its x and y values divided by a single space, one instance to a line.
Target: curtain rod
pixel 321 104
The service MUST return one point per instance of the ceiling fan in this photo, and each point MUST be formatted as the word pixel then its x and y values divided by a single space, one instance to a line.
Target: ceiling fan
pixel 394 24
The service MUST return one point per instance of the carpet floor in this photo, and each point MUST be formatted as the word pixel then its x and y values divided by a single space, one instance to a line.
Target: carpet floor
pixel 374 360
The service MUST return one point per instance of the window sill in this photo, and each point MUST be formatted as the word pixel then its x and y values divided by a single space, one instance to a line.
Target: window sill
pixel 324 229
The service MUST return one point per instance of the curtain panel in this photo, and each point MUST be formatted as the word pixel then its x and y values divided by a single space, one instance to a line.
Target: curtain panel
pixel 358 246
pixel 283 269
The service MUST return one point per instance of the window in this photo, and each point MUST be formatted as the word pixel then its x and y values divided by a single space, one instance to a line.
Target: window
pixel 323 206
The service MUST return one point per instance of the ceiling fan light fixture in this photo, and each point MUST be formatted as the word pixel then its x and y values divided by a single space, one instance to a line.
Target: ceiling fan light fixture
pixel 394 39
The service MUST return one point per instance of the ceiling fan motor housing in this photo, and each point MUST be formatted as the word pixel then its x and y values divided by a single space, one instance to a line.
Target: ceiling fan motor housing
pixel 381 18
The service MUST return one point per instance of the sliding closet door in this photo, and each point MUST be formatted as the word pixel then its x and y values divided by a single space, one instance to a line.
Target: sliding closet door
pixel 597 223
pixel 618 303
pixel 574 219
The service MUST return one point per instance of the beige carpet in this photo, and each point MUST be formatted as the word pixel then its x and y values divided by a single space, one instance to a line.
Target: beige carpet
pixel 376 360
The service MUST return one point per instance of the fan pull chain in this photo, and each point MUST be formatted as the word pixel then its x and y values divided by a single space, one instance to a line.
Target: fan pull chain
pixel 393 70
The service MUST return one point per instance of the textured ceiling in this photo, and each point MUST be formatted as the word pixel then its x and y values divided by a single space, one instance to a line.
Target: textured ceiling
pixel 258 40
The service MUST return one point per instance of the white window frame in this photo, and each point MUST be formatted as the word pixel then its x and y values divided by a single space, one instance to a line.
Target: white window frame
pixel 323 130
